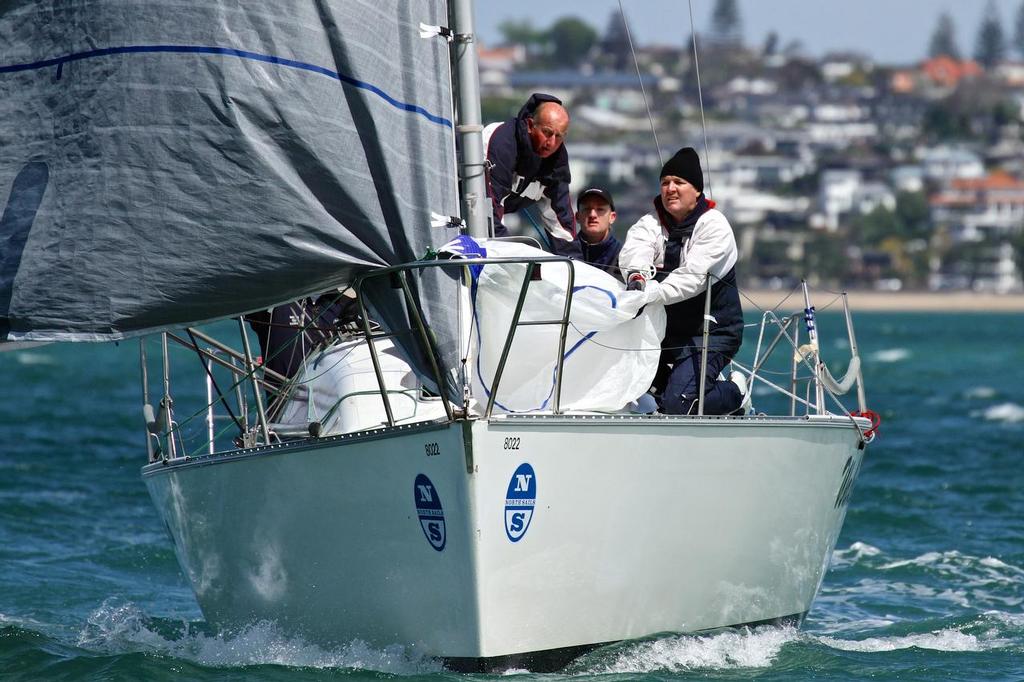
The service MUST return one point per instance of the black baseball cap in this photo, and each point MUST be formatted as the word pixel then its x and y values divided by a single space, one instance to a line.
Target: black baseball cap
pixel 595 192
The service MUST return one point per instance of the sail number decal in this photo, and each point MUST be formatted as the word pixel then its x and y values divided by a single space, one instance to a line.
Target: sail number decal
pixel 512 443
pixel 429 511
pixel 520 500
pixel 432 449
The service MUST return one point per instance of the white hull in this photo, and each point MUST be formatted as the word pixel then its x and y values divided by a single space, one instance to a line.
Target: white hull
pixel 640 525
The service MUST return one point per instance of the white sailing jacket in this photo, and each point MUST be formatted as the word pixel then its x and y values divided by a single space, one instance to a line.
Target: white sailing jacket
pixel 710 248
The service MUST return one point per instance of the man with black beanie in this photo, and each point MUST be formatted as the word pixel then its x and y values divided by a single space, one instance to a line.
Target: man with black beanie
pixel 669 254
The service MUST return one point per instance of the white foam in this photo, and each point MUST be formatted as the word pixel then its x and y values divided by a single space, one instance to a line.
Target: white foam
pixel 25 358
pixel 949 639
pixel 992 562
pixel 1012 619
pixel 926 559
pixel 1006 412
pixel 977 580
pixel 954 562
pixel 120 628
pixel 980 392
pixel 890 355
pixel 854 553
pixel 728 650
pixel 21 621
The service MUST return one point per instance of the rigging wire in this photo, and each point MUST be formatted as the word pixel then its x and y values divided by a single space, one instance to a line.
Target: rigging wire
pixel 643 91
pixel 213 381
pixel 178 426
pixel 700 98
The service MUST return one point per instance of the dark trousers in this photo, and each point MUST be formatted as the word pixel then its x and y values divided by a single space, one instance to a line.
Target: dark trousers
pixel 681 381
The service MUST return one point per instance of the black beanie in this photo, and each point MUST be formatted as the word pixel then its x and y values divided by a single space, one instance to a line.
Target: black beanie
pixel 685 164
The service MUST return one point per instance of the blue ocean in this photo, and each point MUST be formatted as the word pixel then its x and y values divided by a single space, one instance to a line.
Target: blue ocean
pixel 926 582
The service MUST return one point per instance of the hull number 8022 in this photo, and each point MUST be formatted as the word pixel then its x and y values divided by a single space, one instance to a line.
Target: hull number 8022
pixel 512 443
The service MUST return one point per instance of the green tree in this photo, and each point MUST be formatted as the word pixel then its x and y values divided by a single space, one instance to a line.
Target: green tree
pixel 615 42
pixel 570 39
pixel 726 25
pixel 990 46
pixel 825 254
pixel 523 33
pixel 941 122
pixel 1017 240
pixel 943 40
pixel 912 215
pixel 872 228
pixel 499 108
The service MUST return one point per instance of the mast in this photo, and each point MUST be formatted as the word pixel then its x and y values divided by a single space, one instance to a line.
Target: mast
pixel 475 202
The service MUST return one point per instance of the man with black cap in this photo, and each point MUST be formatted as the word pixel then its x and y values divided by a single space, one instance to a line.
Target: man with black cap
pixel 527 165
pixel 669 255
pixel 595 213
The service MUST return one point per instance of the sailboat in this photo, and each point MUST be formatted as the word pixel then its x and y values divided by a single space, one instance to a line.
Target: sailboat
pixel 465 468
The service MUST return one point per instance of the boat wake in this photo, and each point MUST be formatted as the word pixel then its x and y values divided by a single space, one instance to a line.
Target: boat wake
pixel 122 628
pixel 119 636
pixel 748 648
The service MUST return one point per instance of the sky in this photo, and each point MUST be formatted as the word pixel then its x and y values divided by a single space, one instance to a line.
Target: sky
pixel 889 31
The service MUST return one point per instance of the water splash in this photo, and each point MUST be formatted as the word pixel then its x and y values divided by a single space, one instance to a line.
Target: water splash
pixel 120 627
pixel 757 648
pixel 843 558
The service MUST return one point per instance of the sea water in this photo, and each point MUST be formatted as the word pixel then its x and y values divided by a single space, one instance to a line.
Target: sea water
pixel 926 582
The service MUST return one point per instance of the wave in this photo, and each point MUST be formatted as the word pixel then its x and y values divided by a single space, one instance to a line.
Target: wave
pixel 1010 413
pixel 853 554
pixel 950 562
pixel 757 648
pixel 943 640
pixel 980 392
pixel 866 583
pixel 122 628
pixel 954 563
pixel 29 359
pixel 890 355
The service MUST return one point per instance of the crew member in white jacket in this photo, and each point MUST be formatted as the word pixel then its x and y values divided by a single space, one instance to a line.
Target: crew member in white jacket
pixel 669 254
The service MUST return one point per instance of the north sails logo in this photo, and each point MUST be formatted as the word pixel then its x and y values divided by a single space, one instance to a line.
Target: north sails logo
pixel 431 515
pixel 520 500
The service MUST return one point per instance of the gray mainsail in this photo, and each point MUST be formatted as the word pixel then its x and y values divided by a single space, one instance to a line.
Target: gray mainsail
pixel 169 163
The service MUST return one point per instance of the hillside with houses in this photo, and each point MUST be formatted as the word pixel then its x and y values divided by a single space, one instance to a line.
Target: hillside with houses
pixel 856 173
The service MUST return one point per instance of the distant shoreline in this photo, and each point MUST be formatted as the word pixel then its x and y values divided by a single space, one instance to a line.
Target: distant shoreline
pixel 906 301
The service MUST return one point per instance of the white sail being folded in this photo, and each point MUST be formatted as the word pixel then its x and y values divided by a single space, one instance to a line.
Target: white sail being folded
pixel 612 345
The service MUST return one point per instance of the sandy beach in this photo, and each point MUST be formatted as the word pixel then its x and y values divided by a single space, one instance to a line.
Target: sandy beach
pixel 910 301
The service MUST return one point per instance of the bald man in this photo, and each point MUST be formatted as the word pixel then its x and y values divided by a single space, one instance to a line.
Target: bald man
pixel 528 165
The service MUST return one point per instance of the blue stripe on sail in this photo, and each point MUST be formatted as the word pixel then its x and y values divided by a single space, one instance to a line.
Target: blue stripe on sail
pixel 242 54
